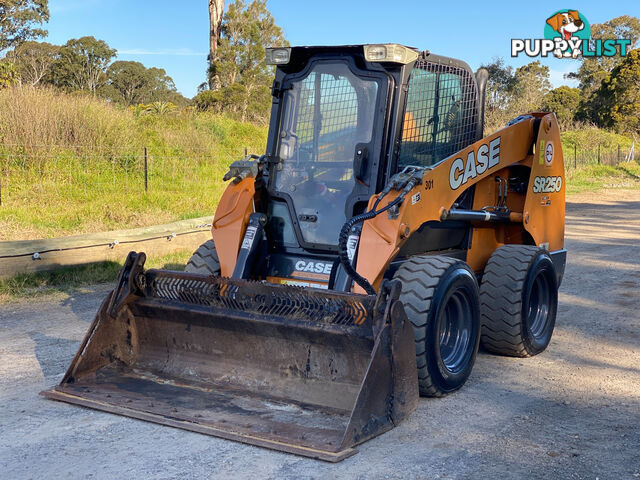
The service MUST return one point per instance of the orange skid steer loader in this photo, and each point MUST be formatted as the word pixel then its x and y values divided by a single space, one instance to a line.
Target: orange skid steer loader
pixel 356 264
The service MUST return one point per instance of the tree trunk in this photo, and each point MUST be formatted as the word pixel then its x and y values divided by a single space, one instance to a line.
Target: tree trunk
pixel 216 8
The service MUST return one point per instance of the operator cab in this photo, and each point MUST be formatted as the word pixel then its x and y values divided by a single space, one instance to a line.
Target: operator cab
pixel 341 125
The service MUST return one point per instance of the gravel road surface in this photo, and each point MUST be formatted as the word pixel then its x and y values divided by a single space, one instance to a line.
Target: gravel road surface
pixel 572 412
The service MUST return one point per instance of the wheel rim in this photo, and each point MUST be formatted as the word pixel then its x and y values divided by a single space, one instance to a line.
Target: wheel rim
pixel 455 331
pixel 539 307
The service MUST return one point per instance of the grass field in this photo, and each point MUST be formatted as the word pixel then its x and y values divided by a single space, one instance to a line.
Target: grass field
pixel 75 164
pixel 591 178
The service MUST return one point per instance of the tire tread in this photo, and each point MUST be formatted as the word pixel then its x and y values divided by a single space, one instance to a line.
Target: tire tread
pixel 419 276
pixel 501 299
pixel 204 260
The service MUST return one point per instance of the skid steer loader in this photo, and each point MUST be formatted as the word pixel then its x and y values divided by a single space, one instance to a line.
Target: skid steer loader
pixel 356 264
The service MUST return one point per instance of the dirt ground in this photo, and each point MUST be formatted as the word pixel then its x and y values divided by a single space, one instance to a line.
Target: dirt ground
pixel 572 412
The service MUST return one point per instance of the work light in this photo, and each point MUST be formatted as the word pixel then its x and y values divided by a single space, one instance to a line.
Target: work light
pixel 390 52
pixel 278 56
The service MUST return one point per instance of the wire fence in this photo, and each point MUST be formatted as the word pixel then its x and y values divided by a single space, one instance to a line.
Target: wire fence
pixel 40 176
pixel 576 156
pixel 47 175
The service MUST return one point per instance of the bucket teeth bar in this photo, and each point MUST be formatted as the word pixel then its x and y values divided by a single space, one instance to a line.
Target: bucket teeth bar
pixel 259 298
pixel 303 371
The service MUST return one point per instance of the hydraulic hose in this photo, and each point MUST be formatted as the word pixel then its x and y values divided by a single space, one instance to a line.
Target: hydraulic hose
pixel 405 185
pixel 344 236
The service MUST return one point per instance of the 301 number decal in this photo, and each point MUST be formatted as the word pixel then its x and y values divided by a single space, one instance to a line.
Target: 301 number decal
pixel 547 184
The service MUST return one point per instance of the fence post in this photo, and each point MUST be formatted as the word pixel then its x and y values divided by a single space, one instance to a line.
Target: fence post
pixel 146 171
pixel 618 153
pixel 598 154
pixel 575 157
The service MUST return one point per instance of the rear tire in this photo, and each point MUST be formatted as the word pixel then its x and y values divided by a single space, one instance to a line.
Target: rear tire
pixel 204 260
pixel 518 301
pixel 440 297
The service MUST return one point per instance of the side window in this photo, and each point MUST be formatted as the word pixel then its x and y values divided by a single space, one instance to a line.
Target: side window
pixel 418 124
pixel 440 115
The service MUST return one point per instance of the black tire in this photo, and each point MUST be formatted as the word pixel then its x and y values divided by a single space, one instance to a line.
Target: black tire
pixel 518 301
pixel 204 260
pixel 440 297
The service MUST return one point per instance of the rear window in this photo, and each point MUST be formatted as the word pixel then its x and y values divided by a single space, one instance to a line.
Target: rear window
pixel 440 114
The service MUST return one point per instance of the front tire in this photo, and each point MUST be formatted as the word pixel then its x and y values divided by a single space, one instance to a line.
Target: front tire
pixel 440 297
pixel 204 260
pixel 518 301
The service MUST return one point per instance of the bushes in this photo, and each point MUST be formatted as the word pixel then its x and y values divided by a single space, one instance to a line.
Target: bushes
pixel 588 138
pixel 8 74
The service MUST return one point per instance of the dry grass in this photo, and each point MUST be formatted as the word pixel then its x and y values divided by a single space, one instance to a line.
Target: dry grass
pixel 74 164
pixel 38 119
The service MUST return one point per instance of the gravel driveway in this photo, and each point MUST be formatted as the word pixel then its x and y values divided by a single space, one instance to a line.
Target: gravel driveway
pixel 571 412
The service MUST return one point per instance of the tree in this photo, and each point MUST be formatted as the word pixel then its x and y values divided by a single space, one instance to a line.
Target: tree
pixel 19 20
pixel 216 8
pixel 133 83
pixel 511 93
pixel 564 101
pixel 617 101
pixel 531 85
pixel 82 64
pixel 34 61
pixel 500 84
pixel 240 59
pixel 8 74
pixel 594 70
pixel 499 95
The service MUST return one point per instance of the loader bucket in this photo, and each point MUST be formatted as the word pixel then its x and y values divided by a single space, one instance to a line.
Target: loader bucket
pixel 304 371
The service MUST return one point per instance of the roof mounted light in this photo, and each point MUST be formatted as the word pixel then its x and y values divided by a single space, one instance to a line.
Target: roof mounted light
pixel 390 52
pixel 278 56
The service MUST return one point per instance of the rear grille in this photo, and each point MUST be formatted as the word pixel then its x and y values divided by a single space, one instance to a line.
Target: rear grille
pixel 282 301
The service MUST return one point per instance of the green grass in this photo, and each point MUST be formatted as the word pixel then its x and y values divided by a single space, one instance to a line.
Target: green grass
pixel 75 164
pixel 590 178
pixel 44 205
pixel 68 280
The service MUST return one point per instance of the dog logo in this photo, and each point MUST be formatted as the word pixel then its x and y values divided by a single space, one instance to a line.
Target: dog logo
pixel 567 34
pixel 569 26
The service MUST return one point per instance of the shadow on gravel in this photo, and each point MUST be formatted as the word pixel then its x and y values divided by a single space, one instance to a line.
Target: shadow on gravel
pixel 614 207
pixel 53 354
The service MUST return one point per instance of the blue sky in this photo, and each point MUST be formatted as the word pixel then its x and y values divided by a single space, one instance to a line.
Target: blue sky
pixel 174 35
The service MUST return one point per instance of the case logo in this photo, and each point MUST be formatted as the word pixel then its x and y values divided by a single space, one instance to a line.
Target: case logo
pixel 314 267
pixel 485 158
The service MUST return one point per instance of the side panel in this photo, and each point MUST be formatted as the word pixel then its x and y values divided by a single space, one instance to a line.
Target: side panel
pixel 383 236
pixel 545 204
pixel 230 222
pixel 486 237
